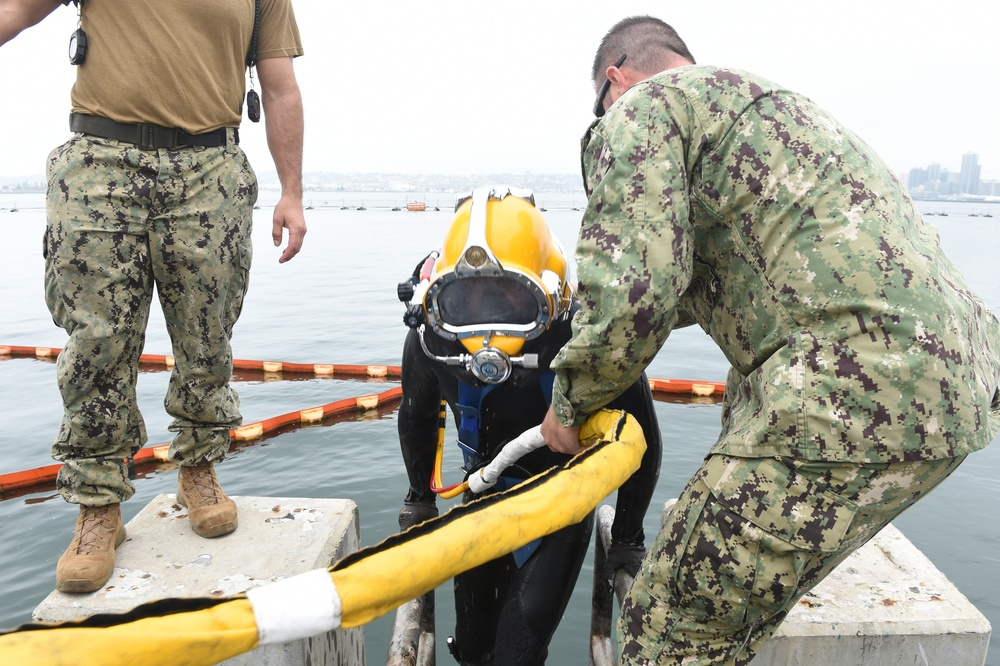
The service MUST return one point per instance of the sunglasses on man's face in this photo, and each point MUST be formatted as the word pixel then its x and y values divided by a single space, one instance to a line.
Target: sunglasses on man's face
pixel 603 92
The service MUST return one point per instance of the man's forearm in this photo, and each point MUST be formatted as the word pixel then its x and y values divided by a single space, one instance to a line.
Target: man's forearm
pixel 283 123
pixel 16 15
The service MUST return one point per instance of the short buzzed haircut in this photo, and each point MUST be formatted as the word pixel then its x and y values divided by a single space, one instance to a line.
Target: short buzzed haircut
pixel 647 41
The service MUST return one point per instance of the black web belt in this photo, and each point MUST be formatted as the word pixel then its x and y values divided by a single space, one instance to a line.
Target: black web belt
pixel 147 137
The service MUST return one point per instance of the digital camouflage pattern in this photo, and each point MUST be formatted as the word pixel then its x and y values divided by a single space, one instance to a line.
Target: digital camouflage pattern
pixel 720 199
pixel 732 560
pixel 863 368
pixel 121 220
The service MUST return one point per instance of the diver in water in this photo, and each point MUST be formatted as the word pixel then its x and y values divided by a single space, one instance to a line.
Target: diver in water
pixel 487 314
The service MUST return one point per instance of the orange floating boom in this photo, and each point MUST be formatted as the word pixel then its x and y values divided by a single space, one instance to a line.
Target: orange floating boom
pixel 29 477
pixel 673 386
pixel 244 433
pixel 320 369
pixel 249 432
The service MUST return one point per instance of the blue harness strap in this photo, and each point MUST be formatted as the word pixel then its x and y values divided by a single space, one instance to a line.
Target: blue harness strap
pixel 470 400
pixel 545 381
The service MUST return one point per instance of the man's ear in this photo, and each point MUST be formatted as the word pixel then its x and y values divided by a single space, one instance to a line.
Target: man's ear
pixel 620 82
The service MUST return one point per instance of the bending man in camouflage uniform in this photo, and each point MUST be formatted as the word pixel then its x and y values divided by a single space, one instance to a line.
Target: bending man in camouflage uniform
pixel 153 189
pixel 863 368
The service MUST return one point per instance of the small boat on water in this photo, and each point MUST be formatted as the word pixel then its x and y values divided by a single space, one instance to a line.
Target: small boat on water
pixel 416 206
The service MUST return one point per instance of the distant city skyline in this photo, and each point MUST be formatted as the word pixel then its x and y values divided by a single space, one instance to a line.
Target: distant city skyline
pixel 935 179
pixel 931 180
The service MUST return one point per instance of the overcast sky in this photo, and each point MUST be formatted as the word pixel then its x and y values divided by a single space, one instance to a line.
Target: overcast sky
pixel 466 87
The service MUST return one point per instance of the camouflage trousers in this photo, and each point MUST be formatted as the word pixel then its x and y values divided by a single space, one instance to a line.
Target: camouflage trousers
pixel 122 221
pixel 746 539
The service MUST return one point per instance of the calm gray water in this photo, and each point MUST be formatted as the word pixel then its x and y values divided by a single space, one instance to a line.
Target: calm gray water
pixel 336 303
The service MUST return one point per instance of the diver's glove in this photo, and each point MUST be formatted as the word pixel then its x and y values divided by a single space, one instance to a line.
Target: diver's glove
pixel 414 513
pixel 624 556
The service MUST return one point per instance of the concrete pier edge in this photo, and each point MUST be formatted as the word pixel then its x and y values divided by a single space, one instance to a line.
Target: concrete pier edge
pixel 277 537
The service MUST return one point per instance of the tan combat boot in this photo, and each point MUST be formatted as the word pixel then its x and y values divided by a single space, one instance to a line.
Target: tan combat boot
pixel 90 559
pixel 211 513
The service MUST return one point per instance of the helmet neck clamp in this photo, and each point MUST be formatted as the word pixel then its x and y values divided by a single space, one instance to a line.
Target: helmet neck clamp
pixel 489 364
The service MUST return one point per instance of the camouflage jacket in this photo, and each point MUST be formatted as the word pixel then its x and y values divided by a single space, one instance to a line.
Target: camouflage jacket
pixel 719 198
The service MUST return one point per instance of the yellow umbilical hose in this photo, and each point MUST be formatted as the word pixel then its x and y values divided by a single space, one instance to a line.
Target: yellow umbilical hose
pixel 357 589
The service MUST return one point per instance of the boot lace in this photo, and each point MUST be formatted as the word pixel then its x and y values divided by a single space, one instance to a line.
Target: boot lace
pixel 201 486
pixel 92 526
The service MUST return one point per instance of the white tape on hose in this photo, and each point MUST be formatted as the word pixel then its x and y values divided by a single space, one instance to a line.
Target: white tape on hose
pixel 295 608
pixel 478 484
pixel 526 442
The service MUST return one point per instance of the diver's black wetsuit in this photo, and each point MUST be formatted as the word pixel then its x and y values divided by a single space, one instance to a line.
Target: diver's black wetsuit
pixel 507 614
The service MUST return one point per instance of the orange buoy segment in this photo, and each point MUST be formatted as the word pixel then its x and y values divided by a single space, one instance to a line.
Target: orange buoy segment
pixel 312 415
pixel 28 477
pixel 687 387
pixel 151 453
pixel 367 402
pixel 248 432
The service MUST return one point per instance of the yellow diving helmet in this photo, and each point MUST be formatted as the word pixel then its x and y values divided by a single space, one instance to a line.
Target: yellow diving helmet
pixel 501 278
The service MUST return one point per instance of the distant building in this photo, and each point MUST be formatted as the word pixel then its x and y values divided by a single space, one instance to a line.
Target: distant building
pixel 934 172
pixel 968 181
pixel 917 179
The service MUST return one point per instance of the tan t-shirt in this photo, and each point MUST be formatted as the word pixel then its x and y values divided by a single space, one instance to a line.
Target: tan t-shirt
pixel 176 63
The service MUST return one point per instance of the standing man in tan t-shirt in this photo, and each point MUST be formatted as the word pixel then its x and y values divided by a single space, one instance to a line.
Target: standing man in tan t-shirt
pixel 154 190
